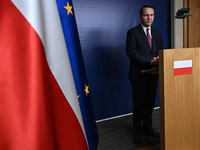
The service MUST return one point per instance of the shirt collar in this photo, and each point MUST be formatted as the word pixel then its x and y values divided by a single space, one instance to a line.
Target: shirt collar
pixel 144 28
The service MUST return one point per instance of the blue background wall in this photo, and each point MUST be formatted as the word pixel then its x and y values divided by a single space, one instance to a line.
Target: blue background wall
pixel 102 26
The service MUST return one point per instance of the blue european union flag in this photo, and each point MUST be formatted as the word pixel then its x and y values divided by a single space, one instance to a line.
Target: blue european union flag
pixel 70 31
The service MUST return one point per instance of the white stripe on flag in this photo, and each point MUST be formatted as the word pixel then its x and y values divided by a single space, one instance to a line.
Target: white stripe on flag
pixel 182 64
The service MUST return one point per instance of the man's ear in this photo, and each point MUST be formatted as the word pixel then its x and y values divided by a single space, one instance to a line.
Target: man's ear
pixel 140 17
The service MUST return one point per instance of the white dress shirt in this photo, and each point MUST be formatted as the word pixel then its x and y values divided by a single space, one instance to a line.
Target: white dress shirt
pixel 145 30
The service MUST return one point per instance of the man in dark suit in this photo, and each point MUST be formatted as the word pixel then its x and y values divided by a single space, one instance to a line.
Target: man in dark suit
pixel 142 45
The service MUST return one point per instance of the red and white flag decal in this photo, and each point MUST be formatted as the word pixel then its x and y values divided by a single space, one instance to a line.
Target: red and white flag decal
pixel 182 67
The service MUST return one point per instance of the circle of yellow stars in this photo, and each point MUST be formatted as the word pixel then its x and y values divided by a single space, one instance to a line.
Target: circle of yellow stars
pixel 69 11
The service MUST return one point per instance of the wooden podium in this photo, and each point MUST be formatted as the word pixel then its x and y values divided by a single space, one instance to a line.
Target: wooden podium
pixel 179 77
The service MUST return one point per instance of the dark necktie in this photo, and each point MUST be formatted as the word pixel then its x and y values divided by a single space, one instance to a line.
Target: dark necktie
pixel 149 38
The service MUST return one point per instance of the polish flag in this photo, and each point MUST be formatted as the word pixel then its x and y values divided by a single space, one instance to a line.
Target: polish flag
pixel 39 109
pixel 182 67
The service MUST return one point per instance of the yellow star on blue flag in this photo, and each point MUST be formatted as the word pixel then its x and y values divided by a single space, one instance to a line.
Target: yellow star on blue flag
pixel 86 89
pixel 69 9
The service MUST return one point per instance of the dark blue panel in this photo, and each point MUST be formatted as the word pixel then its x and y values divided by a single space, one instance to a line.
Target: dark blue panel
pixel 102 27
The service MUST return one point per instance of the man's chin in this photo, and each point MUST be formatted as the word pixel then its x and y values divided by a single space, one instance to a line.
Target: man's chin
pixel 148 25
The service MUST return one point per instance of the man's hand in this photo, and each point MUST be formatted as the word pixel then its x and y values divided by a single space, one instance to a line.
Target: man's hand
pixel 155 61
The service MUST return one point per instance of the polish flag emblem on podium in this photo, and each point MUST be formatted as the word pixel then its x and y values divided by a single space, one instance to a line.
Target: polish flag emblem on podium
pixel 182 67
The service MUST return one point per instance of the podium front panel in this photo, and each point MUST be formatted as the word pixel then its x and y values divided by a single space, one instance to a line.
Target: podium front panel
pixel 179 79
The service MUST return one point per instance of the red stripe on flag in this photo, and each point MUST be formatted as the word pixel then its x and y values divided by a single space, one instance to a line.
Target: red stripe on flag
pixel 182 71
pixel 34 113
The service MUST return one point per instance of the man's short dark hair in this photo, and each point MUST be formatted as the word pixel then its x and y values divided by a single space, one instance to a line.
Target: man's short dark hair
pixel 145 6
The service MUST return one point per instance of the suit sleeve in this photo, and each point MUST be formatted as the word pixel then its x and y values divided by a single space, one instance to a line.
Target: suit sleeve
pixel 160 41
pixel 132 50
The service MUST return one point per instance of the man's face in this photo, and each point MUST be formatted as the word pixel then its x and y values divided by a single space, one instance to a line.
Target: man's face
pixel 147 16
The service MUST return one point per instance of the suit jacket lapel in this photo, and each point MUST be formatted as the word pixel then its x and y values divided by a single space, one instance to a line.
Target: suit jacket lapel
pixel 153 39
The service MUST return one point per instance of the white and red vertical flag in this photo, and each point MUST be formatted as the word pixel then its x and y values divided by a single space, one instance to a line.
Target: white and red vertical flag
pixel 182 67
pixel 39 108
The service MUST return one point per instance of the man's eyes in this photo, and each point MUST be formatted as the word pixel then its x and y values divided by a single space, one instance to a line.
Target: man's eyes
pixel 149 15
